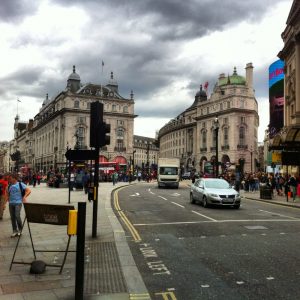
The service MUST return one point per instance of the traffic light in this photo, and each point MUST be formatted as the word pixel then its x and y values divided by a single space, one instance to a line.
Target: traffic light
pixel 104 131
pixel 96 115
pixel 99 130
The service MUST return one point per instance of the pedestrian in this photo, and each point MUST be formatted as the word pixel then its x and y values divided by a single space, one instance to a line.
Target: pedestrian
pixel 293 185
pixel 17 194
pixel 3 194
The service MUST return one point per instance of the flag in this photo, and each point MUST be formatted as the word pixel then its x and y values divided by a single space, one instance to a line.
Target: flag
pixel 102 63
pixel 206 85
pixel 19 100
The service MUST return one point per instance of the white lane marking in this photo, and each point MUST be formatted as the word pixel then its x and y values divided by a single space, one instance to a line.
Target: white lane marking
pixel 181 238
pixel 170 223
pixel 175 194
pixel 163 198
pixel 205 285
pixel 270 278
pixel 134 195
pixel 282 233
pixel 204 216
pixel 177 204
pixel 240 282
pixel 244 234
pixel 149 190
pixel 220 221
pixel 202 237
pixel 223 235
pixel 273 213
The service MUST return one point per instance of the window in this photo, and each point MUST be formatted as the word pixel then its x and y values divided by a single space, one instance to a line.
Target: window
pixel 125 109
pixel 225 136
pixel 76 104
pixel 228 104
pixel 114 107
pixel 120 133
pixel 80 137
pixel 221 106
pixel 225 121
pixel 242 136
pixel 88 105
pixel 243 120
pixel 242 103
pixel 207 110
pixel 81 120
pixel 120 122
pixel 204 139
pixel 203 125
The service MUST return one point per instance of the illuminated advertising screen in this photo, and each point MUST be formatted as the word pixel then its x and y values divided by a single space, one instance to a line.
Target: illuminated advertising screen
pixel 276 96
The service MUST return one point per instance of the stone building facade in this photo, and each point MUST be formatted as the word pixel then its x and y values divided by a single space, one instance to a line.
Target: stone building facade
pixel 146 152
pixel 64 120
pixel 288 140
pixel 191 136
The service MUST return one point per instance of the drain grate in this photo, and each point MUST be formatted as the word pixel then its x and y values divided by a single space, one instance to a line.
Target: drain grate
pixel 103 273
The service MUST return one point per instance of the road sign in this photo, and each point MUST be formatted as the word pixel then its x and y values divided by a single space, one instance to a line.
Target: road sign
pixel 77 155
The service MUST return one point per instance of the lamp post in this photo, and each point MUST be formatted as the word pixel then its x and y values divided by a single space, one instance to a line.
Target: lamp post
pixel 251 153
pixel 133 159
pixel 148 167
pixel 216 126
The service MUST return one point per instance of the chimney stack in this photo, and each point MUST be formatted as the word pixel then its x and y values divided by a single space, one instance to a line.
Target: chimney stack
pixel 249 75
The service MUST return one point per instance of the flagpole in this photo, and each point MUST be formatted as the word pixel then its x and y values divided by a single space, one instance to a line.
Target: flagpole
pixel 102 65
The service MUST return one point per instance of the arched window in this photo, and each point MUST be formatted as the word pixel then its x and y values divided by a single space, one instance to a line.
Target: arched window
pixel 242 136
pixel 76 104
pixel 120 133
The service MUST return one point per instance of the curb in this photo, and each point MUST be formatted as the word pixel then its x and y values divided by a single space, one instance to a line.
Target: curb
pixel 133 278
pixel 272 202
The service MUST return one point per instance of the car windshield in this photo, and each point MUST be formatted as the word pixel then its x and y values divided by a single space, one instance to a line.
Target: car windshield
pixel 168 171
pixel 217 184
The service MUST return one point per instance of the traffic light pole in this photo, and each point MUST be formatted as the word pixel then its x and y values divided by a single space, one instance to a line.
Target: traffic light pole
pixel 95 202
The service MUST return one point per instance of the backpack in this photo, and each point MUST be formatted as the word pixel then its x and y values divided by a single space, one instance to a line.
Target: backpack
pixel 21 189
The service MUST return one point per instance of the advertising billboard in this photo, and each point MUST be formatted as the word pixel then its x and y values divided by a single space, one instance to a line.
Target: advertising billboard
pixel 276 96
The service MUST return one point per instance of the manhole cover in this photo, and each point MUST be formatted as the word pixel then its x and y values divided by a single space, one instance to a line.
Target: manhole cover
pixel 256 227
pixel 103 273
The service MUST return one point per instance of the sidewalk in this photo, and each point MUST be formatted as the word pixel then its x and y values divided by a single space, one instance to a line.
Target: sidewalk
pixel 110 270
pixel 279 200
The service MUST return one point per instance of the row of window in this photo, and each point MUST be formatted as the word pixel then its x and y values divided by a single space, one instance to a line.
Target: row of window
pixel 114 107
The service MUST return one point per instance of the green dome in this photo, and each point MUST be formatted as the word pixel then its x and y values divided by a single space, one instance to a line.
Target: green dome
pixel 234 79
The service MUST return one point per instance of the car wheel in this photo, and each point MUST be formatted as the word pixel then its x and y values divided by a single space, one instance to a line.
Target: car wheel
pixel 204 201
pixel 237 206
pixel 192 200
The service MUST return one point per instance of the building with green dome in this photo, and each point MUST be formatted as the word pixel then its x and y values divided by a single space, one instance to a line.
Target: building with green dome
pixel 191 136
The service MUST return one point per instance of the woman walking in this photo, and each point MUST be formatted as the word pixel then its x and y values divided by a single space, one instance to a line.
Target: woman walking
pixel 17 194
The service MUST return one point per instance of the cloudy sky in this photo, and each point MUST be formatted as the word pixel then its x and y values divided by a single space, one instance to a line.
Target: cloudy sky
pixel 161 49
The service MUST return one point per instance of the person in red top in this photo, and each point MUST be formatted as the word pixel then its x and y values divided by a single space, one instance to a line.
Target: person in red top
pixel 3 194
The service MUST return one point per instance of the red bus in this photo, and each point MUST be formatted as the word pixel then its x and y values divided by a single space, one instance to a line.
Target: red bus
pixel 106 169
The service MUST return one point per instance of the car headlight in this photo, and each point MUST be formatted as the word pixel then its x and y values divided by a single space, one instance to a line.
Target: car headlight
pixel 214 195
pixel 237 196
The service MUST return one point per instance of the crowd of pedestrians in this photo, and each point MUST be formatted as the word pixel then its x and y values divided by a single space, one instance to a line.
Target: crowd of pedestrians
pixel 280 184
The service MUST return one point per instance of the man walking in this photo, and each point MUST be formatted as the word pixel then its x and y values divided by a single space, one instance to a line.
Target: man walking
pixel 18 193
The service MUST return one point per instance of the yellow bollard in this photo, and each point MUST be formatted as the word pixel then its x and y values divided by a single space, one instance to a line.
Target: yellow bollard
pixel 72 224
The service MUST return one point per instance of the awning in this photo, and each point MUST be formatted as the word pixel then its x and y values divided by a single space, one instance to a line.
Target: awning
pixel 287 139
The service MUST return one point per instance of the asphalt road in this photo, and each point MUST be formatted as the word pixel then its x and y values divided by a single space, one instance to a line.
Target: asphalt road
pixel 188 252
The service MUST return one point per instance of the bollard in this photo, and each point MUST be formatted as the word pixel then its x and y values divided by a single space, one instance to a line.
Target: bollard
pixel 72 224
pixel 80 244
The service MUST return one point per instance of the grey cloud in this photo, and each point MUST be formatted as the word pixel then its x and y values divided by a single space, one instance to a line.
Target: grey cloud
pixel 176 19
pixel 15 10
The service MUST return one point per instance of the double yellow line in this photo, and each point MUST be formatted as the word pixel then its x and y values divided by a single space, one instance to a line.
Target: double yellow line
pixel 133 231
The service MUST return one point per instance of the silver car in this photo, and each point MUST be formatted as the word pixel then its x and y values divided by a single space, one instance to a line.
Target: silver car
pixel 214 191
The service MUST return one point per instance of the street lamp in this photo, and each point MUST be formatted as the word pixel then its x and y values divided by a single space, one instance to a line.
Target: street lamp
pixel 216 126
pixel 251 152
pixel 133 159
